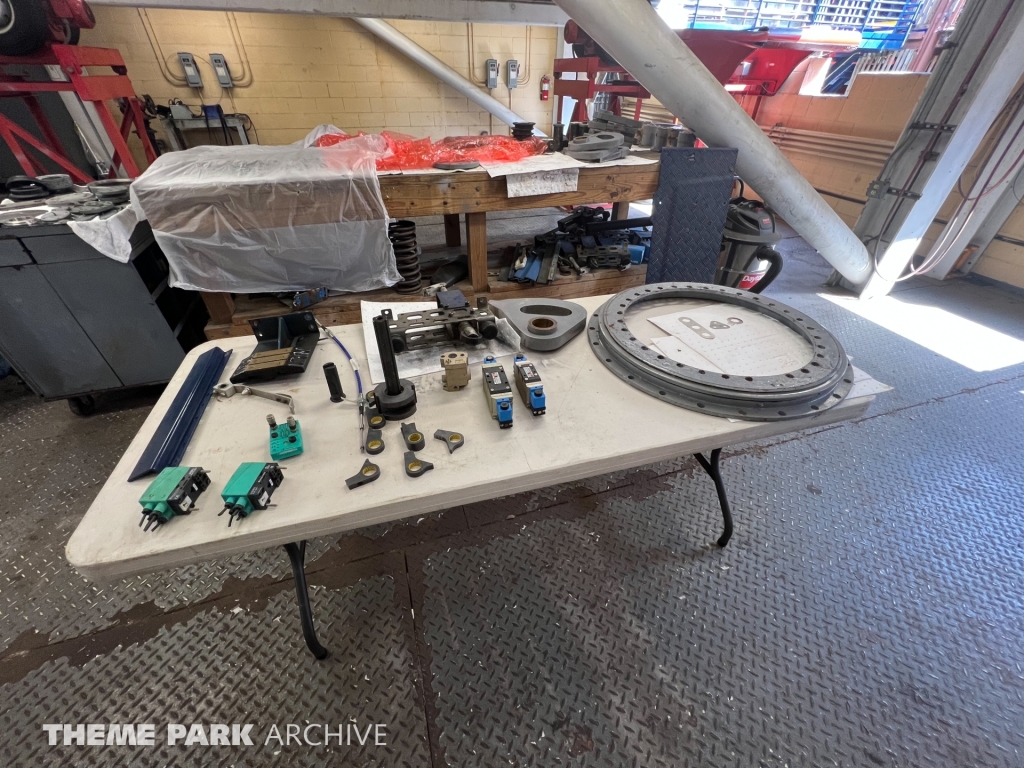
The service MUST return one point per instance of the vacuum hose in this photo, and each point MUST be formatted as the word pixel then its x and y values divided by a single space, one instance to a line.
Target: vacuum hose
pixel 774 259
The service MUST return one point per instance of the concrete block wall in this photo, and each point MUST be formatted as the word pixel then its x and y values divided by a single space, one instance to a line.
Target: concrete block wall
pixel 307 70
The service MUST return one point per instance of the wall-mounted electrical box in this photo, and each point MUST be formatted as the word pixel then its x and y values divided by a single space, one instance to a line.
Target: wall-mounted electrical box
pixel 192 76
pixel 181 112
pixel 512 73
pixel 220 68
pixel 492 73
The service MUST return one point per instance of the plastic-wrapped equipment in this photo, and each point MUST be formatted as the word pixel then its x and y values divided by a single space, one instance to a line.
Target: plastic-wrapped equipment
pixel 312 138
pixel 409 153
pixel 256 218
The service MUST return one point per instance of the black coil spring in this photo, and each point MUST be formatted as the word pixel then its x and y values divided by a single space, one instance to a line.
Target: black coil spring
pixel 402 234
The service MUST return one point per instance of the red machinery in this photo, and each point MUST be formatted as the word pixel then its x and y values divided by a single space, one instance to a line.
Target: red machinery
pixel 587 87
pixel 27 25
pixel 745 62
pixel 97 89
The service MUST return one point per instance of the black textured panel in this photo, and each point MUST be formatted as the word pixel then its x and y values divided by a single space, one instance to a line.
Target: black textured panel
pixel 689 213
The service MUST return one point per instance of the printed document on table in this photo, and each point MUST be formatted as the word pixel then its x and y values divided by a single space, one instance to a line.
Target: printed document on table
pixel 730 339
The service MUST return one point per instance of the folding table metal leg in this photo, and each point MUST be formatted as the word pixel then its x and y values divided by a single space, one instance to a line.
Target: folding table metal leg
pixel 711 467
pixel 297 555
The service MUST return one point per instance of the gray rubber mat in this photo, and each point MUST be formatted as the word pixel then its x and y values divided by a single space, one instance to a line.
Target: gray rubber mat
pixel 238 666
pixel 867 611
pixel 862 615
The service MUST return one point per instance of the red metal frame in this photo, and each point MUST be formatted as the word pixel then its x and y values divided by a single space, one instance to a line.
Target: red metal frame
pixel 98 89
pixel 583 89
pixel 772 57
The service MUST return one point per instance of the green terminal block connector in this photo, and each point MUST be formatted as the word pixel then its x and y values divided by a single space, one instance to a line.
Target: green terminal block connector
pixel 174 492
pixel 285 439
pixel 250 488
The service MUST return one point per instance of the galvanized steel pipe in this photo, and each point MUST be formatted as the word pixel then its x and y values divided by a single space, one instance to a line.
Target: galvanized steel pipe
pixel 633 33
pixel 441 71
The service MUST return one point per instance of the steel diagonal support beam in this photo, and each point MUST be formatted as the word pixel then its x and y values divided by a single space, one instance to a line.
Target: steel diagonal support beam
pixel 970 84
pixel 633 33
pixel 987 207
pixel 440 70
pixel 489 11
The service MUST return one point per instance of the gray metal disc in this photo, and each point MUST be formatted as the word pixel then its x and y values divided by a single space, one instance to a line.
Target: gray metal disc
pixel 817 386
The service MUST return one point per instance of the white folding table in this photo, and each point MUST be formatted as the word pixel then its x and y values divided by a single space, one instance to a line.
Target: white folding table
pixel 594 424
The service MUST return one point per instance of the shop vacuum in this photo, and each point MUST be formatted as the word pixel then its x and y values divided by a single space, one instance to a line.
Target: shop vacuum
pixel 748 259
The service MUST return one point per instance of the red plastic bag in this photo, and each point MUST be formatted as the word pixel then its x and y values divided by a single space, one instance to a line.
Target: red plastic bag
pixel 330 139
pixel 408 153
pixel 500 149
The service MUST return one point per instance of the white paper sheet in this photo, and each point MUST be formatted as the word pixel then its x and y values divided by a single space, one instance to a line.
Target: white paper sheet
pixel 422 361
pixel 542 182
pixel 678 352
pixel 729 339
pixel 552 161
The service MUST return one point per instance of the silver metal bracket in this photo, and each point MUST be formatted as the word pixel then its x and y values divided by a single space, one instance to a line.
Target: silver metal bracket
pixel 945 127
pixel 227 390
pixel 879 188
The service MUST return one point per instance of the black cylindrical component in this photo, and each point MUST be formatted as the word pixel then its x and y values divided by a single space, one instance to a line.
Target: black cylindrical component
pixel 488 329
pixel 593 227
pixel 557 136
pixel 334 382
pixel 387 355
pixel 398 343
pixel 522 131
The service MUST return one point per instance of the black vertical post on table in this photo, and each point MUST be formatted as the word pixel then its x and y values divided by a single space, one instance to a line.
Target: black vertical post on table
pixel 711 467
pixel 388 363
pixel 297 556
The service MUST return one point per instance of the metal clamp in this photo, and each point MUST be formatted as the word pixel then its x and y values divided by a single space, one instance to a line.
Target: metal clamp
pixel 227 390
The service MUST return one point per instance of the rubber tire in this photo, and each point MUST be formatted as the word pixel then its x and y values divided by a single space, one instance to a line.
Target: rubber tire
pixel 29 31
pixel 84 405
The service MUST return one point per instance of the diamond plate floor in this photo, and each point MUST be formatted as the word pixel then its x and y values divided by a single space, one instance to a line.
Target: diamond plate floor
pixel 867 612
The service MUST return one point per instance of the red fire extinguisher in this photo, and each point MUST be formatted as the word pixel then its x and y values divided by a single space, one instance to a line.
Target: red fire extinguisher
pixel 545 88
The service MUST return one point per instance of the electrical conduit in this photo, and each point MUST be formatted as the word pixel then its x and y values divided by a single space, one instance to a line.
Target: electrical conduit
pixel 441 71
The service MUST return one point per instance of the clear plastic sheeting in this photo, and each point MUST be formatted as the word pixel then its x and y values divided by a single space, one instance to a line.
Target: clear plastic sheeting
pixel 256 218
pixel 324 129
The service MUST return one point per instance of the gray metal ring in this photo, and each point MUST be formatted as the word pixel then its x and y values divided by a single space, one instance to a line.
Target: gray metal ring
pixel 817 386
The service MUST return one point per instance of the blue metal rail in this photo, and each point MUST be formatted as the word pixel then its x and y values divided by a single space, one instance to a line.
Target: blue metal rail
pixel 885 24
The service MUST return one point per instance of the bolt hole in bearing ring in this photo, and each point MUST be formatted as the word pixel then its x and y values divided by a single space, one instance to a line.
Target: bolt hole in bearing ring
pixel 791 395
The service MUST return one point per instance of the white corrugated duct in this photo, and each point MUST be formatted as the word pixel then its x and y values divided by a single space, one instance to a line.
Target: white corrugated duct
pixel 633 33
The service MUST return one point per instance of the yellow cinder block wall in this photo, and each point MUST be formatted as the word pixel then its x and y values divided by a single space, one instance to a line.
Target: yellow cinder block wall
pixel 878 106
pixel 304 70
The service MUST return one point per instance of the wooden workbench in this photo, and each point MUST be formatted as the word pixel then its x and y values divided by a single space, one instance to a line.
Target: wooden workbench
pixel 476 193
pixel 472 194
